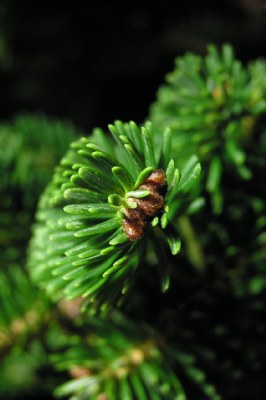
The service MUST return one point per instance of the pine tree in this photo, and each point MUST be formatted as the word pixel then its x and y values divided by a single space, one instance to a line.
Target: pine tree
pixel 145 274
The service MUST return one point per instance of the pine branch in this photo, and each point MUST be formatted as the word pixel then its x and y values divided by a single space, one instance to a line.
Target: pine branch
pixel 115 206
pixel 31 146
pixel 107 196
pixel 24 309
pixel 212 105
pixel 119 360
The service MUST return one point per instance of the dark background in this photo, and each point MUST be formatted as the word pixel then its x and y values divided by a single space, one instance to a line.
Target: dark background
pixel 96 61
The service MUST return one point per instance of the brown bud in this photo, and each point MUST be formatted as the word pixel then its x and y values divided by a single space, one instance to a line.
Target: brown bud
pixel 135 227
pixel 78 371
pixel 157 178
pixel 151 204
pixel 135 221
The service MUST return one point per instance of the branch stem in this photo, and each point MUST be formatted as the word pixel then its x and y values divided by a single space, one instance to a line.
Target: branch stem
pixel 194 249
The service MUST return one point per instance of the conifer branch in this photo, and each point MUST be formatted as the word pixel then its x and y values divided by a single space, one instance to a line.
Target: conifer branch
pixel 95 216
